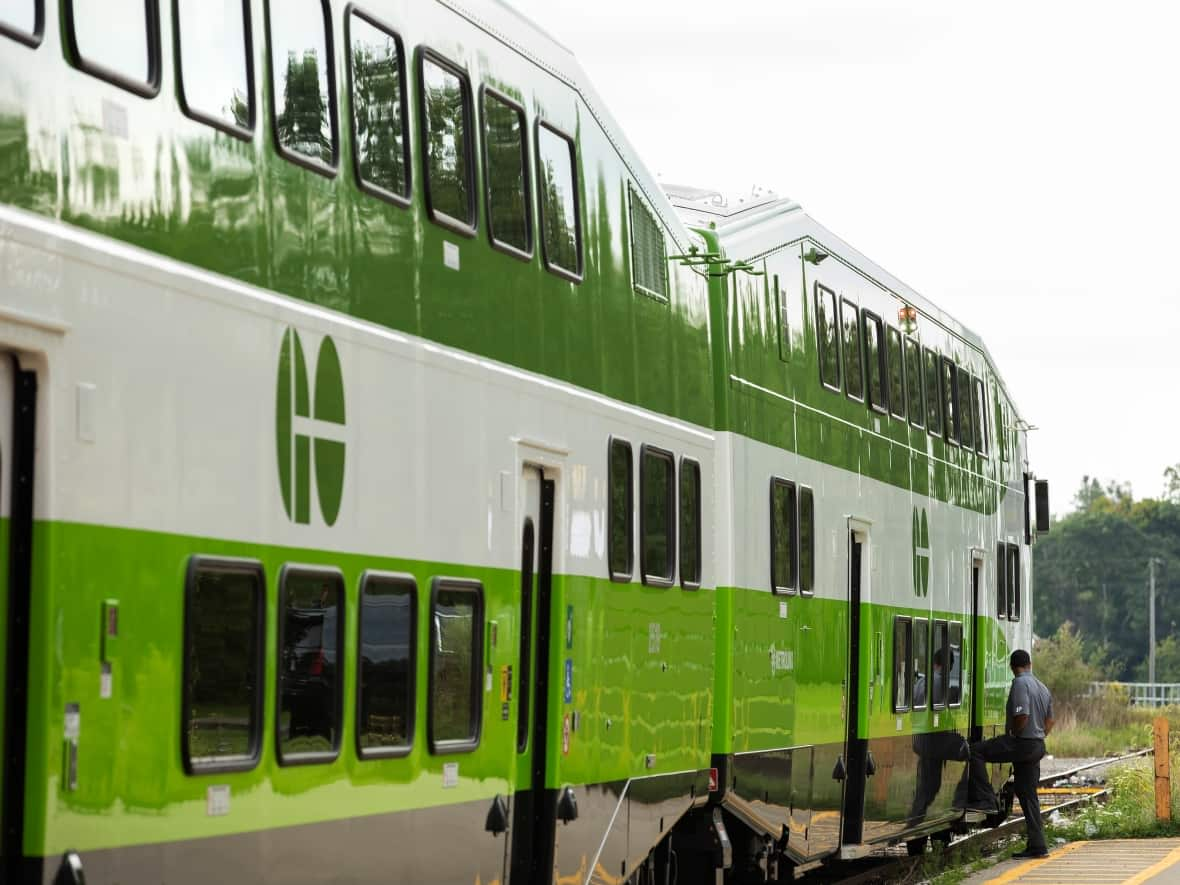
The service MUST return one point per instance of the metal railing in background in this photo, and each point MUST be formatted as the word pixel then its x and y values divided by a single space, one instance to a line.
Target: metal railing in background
pixel 1141 694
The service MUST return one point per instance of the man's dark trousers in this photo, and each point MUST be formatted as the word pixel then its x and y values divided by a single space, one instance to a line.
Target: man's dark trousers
pixel 1025 755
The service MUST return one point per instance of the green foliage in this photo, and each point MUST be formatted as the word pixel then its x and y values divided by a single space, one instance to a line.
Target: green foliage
pixel 1128 813
pixel 1060 663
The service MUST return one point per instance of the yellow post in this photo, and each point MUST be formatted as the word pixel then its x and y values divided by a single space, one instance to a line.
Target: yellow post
pixel 1163 773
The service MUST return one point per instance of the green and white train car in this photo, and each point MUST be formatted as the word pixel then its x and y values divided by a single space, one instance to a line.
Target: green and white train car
pixel 384 500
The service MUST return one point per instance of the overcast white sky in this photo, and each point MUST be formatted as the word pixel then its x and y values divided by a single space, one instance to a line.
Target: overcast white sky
pixel 1018 163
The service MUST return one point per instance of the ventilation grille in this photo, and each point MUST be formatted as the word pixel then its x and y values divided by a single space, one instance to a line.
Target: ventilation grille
pixel 649 266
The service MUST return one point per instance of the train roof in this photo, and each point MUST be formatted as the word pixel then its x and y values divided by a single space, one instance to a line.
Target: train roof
pixel 751 225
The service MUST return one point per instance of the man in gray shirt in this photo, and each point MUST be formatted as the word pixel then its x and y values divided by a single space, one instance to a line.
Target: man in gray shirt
pixel 1030 719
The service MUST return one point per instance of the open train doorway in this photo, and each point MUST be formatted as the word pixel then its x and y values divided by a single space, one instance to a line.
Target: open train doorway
pixel 18 404
pixel 534 811
pixel 978 659
pixel 857 761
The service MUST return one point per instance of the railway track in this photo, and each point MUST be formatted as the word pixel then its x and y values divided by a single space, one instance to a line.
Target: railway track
pixel 891 866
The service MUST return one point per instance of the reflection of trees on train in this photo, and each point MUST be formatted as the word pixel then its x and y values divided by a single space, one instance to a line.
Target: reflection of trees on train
pixel 303 122
pixel 385 694
pixel 376 97
pixel 452 662
pixel 557 204
pixel 506 173
pixel 308 669
pixel 446 146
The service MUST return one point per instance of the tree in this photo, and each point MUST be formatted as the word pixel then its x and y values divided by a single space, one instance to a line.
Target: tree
pixel 1172 484
pixel 1088 493
pixel 1061 664
pixel 1167 662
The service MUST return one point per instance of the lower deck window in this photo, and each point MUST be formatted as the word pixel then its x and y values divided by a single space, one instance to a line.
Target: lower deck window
pixel 784 551
pixel 657 493
pixel 620 550
pixel 920 648
pixel 310 676
pixel 1013 582
pixel 806 541
pixel 955 662
pixel 223 627
pixel 385 666
pixel 456 641
pixel 939 666
pixel 903 673
pixel 690 523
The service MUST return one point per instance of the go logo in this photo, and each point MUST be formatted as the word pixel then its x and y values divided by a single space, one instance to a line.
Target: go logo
pixel 921 552
pixel 309 429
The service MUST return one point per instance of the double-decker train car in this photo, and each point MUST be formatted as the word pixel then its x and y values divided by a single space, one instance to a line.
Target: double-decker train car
pixel 385 466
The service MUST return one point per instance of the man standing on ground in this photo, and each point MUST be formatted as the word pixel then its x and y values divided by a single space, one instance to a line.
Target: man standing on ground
pixel 1030 719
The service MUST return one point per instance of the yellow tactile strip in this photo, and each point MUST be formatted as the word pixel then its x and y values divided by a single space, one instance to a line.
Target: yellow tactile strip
pixel 1114 862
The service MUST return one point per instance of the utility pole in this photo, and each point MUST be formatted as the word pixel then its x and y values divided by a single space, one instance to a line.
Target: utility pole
pixel 1151 563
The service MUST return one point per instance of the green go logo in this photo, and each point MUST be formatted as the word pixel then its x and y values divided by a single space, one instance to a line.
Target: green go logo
pixel 921 553
pixel 309 429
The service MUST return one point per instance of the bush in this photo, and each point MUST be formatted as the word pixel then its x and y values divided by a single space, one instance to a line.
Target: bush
pixel 1060 664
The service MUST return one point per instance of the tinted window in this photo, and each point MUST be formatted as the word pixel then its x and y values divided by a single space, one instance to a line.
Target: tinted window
pixel 385 671
pixel 913 382
pixel 950 401
pixel 19 16
pixel 456 631
pixel 965 413
pixel 446 125
pixel 690 522
pixel 656 526
pixel 619 516
pixel 896 373
pixel 1002 580
pixel 875 361
pixel 784 327
pixel 921 652
pixel 902 674
pixel 806 540
pixel 783 552
pixel 827 336
pixel 853 369
pixel 222 666
pixel 1013 582
pixel 956 664
pixel 214 41
pixel 301 74
pixel 979 407
pixel 939 671
pixel 309 673
pixel 126 52
pixel 559 201
pixel 933 395
pixel 508 202
pixel 377 68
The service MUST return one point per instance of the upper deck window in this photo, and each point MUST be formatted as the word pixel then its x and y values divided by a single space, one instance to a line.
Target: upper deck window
pixel 127 55
pixel 827 336
pixel 649 267
pixel 216 80
pixel 23 20
pixel 854 378
pixel 896 373
pixel 446 136
pixel 979 406
pixel 913 382
pixel 875 361
pixel 965 417
pixel 506 158
pixel 378 86
pixel 951 419
pixel 303 92
pixel 561 232
pixel 933 397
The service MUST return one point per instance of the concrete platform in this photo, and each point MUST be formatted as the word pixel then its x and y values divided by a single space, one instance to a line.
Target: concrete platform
pixel 1107 862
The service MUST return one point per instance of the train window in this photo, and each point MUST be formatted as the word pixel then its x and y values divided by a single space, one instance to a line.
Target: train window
pixel 690 523
pixel 913 382
pixel 506 170
pixel 950 401
pixel 311 635
pixel 619 516
pixel 784 551
pixel 1013 582
pixel 303 89
pixel 649 267
pixel 965 415
pixel 933 398
pixel 223 641
pixel 557 181
pixel 903 673
pixel 854 380
pixel 806 541
pixel 377 89
pixel 385 667
pixel 979 407
pixel 1001 580
pixel 216 78
pixel 896 373
pixel 874 355
pixel 657 527
pixel 456 669
pixel 921 654
pixel 447 143
pixel 827 335
pixel 938 666
pixel 955 660
pixel 1001 426
pixel 23 20
pixel 784 327
pixel 131 62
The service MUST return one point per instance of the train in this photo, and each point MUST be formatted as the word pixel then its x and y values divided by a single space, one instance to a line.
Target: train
pixel 399 483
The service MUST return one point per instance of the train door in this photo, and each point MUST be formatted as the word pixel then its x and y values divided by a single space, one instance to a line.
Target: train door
pixel 978 659
pixel 18 400
pixel 534 806
pixel 857 761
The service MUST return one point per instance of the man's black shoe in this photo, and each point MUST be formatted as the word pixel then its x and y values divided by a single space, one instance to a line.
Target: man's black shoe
pixel 1032 852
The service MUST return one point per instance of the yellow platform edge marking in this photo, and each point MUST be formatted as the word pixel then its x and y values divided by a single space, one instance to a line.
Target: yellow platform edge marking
pixel 1155 869
pixel 1019 870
